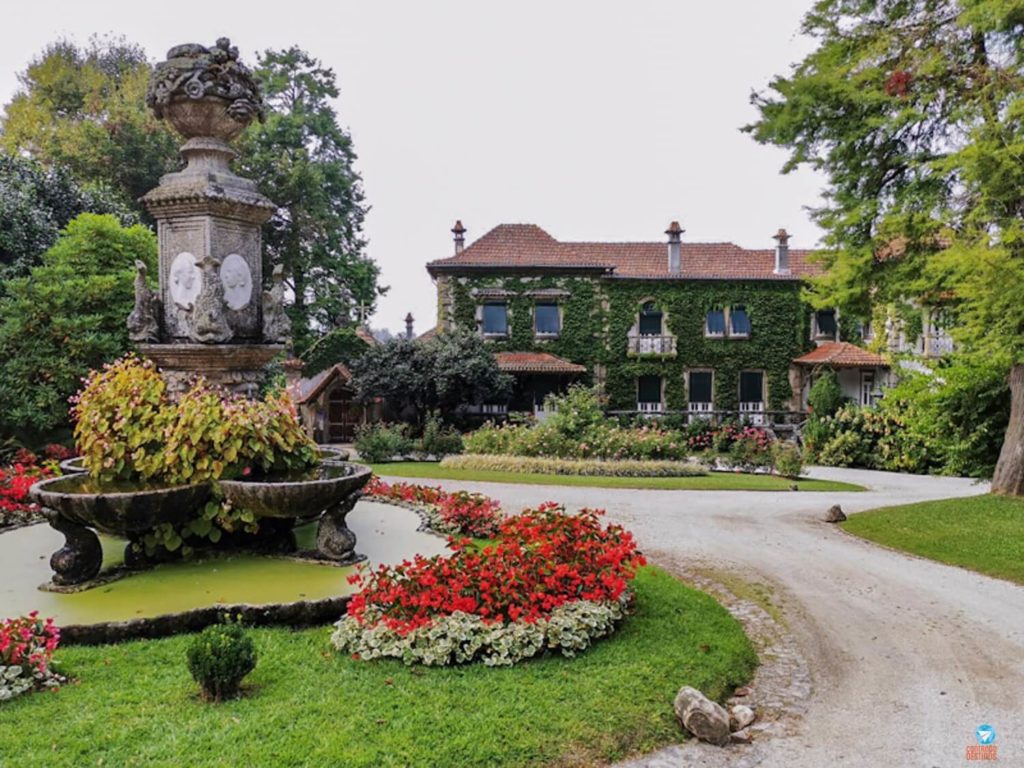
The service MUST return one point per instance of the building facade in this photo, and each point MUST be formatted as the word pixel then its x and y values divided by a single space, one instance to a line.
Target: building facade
pixel 703 328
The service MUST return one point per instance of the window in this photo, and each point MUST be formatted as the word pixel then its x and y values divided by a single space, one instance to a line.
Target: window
pixel 739 321
pixel 650 320
pixel 700 389
pixel 825 324
pixel 751 387
pixel 546 319
pixel 495 319
pixel 648 389
pixel 715 324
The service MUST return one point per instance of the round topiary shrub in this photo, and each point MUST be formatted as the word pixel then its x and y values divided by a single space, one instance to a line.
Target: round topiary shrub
pixel 219 658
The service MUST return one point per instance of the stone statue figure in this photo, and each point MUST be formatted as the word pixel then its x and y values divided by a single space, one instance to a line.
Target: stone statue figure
pixel 277 327
pixel 144 321
pixel 209 326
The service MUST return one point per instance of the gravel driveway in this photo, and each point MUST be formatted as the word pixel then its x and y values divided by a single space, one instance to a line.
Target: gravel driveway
pixel 907 657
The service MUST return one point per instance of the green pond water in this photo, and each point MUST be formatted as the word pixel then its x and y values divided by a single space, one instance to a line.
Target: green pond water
pixel 386 534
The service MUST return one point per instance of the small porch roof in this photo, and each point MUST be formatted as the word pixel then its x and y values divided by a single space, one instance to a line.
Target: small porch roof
pixel 841 354
pixel 306 390
pixel 537 362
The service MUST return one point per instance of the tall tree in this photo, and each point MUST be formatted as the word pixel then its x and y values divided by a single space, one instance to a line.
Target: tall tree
pixel 83 109
pixel 36 203
pixel 67 317
pixel 914 112
pixel 303 161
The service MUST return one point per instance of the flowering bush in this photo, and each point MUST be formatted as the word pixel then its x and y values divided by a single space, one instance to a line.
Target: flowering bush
pixel 587 467
pixel 128 428
pixel 544 560
pixel 27 644
pixel 14 484
pixel 462 513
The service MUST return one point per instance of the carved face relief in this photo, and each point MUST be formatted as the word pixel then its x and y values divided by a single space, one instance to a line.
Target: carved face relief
pixel 186 279
pixel 237 281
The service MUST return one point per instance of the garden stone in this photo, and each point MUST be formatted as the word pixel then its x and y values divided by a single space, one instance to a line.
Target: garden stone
pixel 835 514
pixel 702 717
pixel 740 716
pixel 741 737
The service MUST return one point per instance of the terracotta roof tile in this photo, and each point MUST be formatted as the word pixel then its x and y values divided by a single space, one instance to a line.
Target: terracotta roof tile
pixel 842 354
pixel 536 362
pixel 527 245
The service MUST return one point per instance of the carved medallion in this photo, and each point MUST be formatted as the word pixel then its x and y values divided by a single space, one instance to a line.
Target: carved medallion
pixel 237 281
pixel 186 280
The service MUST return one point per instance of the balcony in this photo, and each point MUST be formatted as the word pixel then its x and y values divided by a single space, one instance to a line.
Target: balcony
pixel 647 409
pixel 700 408
pixel 664 345
pixel 753 413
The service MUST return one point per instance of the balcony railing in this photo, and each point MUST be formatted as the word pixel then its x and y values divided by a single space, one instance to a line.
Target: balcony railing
pixel 700 407
pixel 651 345
pixel 753 412
pixel 650 407
pixel 487 409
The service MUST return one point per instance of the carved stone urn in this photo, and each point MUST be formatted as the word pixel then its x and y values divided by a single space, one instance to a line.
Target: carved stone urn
pixel 210 305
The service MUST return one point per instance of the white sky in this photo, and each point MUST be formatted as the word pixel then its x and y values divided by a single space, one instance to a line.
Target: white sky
pixel 596 120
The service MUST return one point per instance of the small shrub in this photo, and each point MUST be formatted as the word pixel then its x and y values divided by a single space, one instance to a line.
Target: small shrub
pixel 439 440
pixel 588 467
pixel 826 396
pixel 575 412
pixel 380 442
pixel 788 459
pixel 219 658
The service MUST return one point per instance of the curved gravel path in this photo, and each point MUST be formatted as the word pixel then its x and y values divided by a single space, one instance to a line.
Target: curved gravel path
pixel 907 657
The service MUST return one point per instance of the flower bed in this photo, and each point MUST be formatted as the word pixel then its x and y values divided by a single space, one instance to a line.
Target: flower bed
pixel 27 644
pixel 552 581
pixel 460 513
pixel 15 480
pixel 591 467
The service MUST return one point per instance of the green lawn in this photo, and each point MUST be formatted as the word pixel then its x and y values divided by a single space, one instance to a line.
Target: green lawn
pixel 307 705
pixel 983 533
pixel 717 481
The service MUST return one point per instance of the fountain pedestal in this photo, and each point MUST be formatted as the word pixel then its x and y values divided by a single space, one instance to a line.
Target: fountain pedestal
pixel 211 315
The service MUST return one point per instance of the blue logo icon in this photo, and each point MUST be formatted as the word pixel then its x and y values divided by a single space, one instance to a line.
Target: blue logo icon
pixel 986 735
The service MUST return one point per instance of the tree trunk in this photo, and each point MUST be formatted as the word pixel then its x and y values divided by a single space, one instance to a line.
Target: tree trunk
pixel 1009 474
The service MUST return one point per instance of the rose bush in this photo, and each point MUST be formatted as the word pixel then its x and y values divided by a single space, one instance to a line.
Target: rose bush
pixel 481 602
pixel 27 644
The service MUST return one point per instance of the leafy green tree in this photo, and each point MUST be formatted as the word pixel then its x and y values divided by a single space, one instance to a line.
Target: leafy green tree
pixel 303 161
pixel 35 204
pixel 914 112
pixel 67 317
pixel 416 378
pixel 83 109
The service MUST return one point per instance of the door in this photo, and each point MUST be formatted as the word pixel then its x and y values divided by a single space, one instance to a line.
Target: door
pixel 342 417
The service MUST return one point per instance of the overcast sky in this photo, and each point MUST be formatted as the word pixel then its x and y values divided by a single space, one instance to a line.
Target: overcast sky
pixel 595 120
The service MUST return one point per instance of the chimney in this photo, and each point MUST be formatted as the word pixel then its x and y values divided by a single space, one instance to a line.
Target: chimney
pixel 675 237
pixel 782 252
pixel 408 325
pixel 460 237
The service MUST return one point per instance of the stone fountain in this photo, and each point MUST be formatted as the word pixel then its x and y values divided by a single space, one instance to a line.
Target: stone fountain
pixel 210 317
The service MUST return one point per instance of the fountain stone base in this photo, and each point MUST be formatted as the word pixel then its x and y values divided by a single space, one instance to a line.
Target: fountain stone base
pixel 239 368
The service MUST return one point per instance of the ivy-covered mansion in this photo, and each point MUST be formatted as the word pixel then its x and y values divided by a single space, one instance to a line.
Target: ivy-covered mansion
pixel 704 328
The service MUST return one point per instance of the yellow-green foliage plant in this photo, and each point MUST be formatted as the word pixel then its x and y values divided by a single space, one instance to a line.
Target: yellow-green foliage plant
pixel 128 428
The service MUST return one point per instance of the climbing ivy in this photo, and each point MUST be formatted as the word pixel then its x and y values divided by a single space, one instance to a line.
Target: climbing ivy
pixel 597 314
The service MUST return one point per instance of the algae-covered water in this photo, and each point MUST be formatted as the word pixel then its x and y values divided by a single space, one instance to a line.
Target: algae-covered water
pixel 386 534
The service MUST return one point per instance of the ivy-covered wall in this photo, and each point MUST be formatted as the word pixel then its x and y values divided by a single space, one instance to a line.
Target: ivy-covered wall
pixel 598 313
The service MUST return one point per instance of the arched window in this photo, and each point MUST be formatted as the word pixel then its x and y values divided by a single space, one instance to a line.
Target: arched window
pixel 650 320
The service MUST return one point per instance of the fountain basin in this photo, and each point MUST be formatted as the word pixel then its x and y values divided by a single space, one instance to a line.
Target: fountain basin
pixel 298 495
pixel 119 509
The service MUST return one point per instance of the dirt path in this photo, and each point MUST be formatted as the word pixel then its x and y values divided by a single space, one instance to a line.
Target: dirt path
pixel 907 657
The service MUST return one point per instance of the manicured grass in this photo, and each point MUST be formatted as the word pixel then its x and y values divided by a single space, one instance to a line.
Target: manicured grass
pixel 716 481
pixel 983 533
pixel 135 703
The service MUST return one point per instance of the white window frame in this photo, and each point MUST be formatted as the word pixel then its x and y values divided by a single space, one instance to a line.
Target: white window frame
pixel 508 318
pixel 561 324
